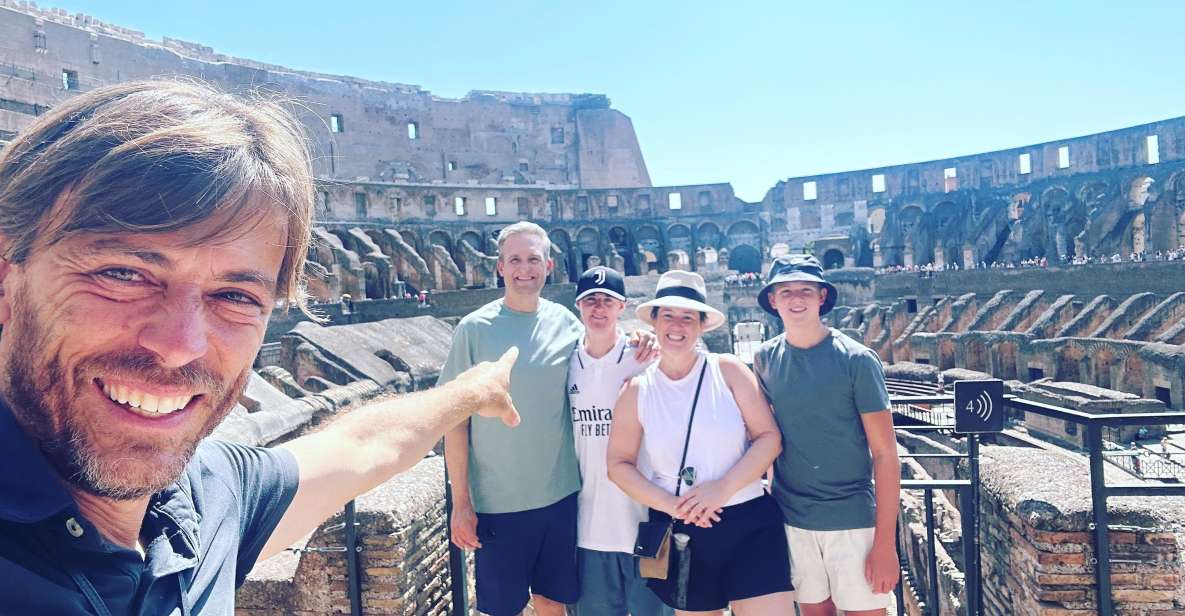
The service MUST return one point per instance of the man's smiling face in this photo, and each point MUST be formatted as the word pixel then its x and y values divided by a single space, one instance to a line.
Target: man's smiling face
pixel 120 352
pixel 523 264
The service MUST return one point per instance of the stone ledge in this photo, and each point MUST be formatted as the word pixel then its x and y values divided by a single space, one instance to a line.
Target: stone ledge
pixel 1051 491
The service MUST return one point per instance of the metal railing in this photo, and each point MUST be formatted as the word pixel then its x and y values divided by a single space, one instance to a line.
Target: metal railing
pixel 1146 464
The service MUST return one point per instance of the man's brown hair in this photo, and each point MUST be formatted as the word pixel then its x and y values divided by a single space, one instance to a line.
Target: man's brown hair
pixel 158 156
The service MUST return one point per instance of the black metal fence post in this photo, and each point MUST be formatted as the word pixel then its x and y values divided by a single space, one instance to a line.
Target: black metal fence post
pixel 974 574
pixel 967 519
pixel 932 570
pixel 1099 522
pixel 353 579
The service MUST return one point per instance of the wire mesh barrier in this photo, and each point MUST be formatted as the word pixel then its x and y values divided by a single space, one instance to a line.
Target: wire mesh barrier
pixel 1165 463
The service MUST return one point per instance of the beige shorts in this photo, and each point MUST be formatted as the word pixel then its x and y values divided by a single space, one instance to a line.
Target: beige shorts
pixel 830 563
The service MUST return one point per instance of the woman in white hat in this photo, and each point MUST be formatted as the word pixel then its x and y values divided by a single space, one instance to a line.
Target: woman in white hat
pixel 709 435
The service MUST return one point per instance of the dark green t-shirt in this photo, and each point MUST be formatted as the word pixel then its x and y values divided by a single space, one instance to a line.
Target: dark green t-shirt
pixel 823 478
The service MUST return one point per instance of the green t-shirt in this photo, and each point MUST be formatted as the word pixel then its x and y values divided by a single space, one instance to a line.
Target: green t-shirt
pixel 823 478
pixel 534 464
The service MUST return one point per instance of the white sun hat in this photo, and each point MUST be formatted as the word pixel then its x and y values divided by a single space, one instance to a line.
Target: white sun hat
pixel 682 289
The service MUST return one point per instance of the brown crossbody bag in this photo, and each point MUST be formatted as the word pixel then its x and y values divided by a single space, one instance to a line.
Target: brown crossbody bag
pixel 653 545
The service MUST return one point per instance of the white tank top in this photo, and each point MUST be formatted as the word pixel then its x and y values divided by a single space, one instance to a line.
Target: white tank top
pixel 718 436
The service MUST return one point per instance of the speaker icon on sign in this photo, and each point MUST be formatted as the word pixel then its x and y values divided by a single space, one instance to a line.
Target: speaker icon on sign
pixel 979 406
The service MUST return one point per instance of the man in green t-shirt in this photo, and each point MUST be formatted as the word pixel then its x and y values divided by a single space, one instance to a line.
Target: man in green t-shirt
pixel 515 491
pixel 829 399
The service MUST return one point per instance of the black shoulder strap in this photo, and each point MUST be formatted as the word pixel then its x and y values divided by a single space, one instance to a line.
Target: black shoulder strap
pixel 687 440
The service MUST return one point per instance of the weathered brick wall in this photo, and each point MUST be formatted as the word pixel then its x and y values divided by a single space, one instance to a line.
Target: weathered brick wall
pixel 1037 549
pixel 403 560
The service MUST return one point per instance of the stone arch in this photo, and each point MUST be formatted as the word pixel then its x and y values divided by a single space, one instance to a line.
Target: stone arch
pixel 876 220
pixel 588 245
pixel 651 249
pixel 745 259
pixel 458 251
pixel 441 238
pixel 679 238
pixel 708 235
pixel 411 239
pixel 833 259
pixel 1065 221
pixel 744 232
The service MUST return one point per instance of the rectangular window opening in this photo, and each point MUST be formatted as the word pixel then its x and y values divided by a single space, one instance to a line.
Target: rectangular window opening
pixel 810 191
pixel 1063 157
pixel 69 79
pixel 452 165
pixel 950 179
pixel 323 201
pixel 1036 374
pixel 1164 395
pixel 524 207
pixel 878 183
pixel 643 202
pixel 459 206
pixel 611 201
pixel 413 130
pixel 1025 163
pixel 675 201
pixel 557 135
pixel 911 305
pixel 335 123
pixel 1153 143
pixel 491 206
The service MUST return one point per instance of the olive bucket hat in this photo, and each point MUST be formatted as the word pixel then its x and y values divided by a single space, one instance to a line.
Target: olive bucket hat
pixel 796 268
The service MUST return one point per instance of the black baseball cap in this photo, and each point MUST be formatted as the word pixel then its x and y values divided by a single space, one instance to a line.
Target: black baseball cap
pixel 601 279
pixel 796 268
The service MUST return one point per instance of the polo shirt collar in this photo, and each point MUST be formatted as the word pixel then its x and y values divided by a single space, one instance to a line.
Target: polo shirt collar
pixel 30 490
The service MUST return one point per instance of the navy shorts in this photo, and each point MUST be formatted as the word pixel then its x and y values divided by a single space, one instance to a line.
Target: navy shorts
pixel 524 553
pixel 742 556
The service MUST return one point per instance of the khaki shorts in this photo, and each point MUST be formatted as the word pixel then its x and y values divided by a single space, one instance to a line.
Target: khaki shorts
pixel 830 563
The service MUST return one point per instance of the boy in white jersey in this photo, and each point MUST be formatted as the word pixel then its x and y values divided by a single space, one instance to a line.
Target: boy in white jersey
pixel 607 518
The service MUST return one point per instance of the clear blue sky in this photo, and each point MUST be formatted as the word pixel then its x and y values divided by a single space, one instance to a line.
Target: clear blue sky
pixel 749 93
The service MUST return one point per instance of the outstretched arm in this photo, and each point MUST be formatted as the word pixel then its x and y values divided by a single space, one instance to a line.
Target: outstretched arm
pixel 367 446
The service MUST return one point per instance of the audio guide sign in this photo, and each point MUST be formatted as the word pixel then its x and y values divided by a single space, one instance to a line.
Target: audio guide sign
pixel 979 406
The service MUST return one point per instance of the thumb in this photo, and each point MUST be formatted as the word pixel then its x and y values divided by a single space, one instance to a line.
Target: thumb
pixel 512 418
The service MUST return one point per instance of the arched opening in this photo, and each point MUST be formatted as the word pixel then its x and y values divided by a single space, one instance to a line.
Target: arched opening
pixel 588 242
pixel 833 259
pixel 441 238
pixel 679 238
pixel 745 259
pixel 744 232
pixel 560 239
pixel 708 236
pixel 652 252
pixel 623 244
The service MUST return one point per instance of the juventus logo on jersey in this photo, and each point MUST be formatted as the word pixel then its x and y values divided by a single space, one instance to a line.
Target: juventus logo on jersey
pixel 601 276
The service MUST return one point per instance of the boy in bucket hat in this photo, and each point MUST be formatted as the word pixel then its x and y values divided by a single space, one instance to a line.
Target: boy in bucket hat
pixel 607 519
pixel 829 399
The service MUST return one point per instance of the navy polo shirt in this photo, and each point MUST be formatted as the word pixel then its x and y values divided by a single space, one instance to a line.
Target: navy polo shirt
pixel 202 534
